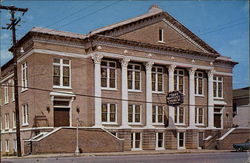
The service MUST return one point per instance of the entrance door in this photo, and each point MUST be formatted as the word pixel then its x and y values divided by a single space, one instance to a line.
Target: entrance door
pixel 201 136
pixel 217 120
pixel 61 117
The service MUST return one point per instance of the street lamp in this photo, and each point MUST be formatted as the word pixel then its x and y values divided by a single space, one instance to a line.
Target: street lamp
pixel 77 151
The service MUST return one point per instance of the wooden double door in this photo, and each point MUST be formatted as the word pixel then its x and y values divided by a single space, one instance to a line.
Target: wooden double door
pixel 61 117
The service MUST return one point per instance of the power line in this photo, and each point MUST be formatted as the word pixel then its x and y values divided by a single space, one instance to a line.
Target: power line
pixel 107 98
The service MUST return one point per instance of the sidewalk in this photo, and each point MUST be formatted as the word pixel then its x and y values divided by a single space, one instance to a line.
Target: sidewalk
pixel 144 152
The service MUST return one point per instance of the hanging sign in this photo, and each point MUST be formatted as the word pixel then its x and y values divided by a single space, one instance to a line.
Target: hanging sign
pixel 174 98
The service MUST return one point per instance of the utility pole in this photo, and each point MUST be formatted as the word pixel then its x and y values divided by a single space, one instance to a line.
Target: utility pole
pixel 12 26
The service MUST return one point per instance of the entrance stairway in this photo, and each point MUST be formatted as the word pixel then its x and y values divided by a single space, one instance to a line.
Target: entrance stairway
pixel 63 140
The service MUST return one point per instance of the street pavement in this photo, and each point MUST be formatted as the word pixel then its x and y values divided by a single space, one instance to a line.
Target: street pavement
pixel 225 157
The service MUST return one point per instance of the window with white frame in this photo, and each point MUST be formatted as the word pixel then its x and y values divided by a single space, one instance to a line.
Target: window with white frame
pixel 179 115
pixel 13 90
pixel 218 87
pixel 179 80
pixel 109 113
pixel 157 79
pixel 199 116
pixel 7 146
pixel 6 93
pixel 14 119
pixel 108 74
pixel 14 145
pixel 157 114
pixel 25 114
pixel 159 140
pixel 7 120
pixel 134 77
pixel 61 73
pixel 136 140
pixel 161 35
pixel 198 83
pixel 134 113
pixel 181 140
pixel 24 76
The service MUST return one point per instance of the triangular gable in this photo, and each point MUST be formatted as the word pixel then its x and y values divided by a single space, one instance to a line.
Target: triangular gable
pixel 146 27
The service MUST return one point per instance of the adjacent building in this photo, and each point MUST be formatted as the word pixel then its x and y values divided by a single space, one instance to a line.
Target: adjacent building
pixel 116 78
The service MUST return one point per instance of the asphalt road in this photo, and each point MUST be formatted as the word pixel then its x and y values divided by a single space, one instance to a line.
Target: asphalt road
pixel 232 157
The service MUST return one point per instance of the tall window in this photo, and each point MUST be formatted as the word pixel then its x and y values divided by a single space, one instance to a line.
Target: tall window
pixel 181 140
pixel 14 119
pixel 136 141
pixel 13 90
pixel 109 113
pixel 159 140
pixel 134 113
pixel 134 77
pixel 218 87
pixel 161 35
pixel 24 76
pixel 157 79
pixel 61 75
pixel 25 114
pixel 6 94
pixel 179 115
pixel 199 115
pixel 108 74
pixel 7 121
pixel 198 83
pixel 7 146
pixel 157 116
pixel 14 145
pixel 179 80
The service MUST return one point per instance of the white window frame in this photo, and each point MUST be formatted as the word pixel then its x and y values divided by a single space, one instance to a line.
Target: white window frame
pixel 156 79
pixel 161 36
pixel 178 75
pixel 7 145
pixel 133 141
pixel 178 116
pixel 133 70
pixel 157 139
pixel 196 78
pixel 217 81
pixel 197 113
pixel 133 115
pixel 108 75
pixel 24 75
pixel 178 140
pixel 14 145
pixel 6 93
pixel 61 65
pixel 156 107
pixel 108 114
pixel 25 115
pixel 14 119
pixel 7 121
pixel 13 90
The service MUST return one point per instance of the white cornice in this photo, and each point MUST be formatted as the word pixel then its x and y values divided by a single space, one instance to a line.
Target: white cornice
pixel 6 78
pixel 184 35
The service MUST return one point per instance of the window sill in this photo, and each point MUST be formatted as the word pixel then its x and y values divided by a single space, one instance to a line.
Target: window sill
pixel 24 90
pixel 109 123
pixel 137 91
pixel 61 87
pixel 25 125
pixel 135 124
pixel 109 89
pixel 199 95
pixel 158 92
pixel 136 149
pixel 159 149
pixel 201 125
pixel 158 124
pixel 162 42
pixel 6 103
pixel 180 124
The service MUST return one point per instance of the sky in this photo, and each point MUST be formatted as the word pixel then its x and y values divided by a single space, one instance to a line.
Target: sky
pixel 224 25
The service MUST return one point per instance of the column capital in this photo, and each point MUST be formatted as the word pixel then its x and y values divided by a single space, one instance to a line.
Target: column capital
pixel 97 58
pixel 124 61
pixel 210 72
pixel 149 65
pixel 192 70
pixel 171 68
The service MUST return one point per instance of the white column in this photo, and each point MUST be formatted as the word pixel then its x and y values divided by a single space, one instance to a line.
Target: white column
pixel 191 98
pixel 210 99
pixel 124 64
pixel 171 88
pixel 149 94
pixel 98 92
